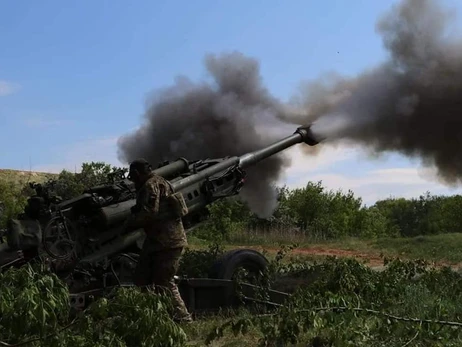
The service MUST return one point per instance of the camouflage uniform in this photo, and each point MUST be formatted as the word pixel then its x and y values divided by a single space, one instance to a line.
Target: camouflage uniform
pixel 164 243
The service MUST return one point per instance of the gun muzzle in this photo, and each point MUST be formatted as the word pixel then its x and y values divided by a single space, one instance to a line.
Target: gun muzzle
pixel 307 135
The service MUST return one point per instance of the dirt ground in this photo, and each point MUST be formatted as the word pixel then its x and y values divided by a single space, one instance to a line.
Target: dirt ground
pixel 370 259
pixel 373 259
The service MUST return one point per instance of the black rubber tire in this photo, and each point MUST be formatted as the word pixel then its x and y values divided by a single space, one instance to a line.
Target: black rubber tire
pixel 225 266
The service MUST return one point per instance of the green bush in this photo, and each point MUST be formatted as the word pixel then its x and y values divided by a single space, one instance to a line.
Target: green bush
pixel 34 306
pixel 12 201
pixel 69 185
pixel 345 303
pixel 225 217
pixel 426 215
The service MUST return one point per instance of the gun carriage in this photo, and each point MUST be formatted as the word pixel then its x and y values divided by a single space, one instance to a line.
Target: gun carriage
pixel 84 239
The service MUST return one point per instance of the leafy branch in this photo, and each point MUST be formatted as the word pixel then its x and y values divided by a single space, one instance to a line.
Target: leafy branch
pixel 35 339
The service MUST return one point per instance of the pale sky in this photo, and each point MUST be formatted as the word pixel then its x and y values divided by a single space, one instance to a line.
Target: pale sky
pixel 74 76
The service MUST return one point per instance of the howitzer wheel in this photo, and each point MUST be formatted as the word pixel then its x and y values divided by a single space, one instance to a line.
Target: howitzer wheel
pixel 232 262
pixel 59 238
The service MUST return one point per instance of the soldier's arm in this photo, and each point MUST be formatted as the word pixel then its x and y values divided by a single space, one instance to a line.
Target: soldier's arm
pixel 148 208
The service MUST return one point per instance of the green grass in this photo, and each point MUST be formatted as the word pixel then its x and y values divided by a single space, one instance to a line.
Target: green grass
pixel 444 248
pixel 17 177
pixel 198 330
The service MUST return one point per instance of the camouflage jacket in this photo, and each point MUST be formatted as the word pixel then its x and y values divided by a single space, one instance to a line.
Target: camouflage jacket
pixel 164 233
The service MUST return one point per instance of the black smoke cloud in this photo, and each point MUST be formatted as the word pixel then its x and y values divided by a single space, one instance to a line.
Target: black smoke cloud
pixel 411 104
pixel 226 116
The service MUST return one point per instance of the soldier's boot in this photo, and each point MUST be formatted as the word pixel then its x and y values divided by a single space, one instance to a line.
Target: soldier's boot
pixel 182 317
pixel 181 313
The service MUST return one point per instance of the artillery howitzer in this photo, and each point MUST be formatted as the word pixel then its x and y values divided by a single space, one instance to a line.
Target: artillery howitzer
pixel 86 233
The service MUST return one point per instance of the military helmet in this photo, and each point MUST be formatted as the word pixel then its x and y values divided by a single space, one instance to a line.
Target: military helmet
pixel 140 165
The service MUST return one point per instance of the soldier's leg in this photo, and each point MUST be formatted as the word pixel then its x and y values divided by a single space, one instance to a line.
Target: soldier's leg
pixel 144 268
pixel 166 265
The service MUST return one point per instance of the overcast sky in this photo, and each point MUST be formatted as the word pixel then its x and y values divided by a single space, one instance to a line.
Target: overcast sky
pixel 74 76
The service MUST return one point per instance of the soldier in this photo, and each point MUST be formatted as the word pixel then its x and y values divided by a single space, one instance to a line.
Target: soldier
pixel 165 239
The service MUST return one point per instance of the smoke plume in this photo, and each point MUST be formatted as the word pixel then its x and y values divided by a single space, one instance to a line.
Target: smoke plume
pixel 411 104
pixel 224 117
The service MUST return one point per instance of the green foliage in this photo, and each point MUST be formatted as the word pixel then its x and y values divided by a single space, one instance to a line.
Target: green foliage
pixel 131 318
pixel 225 216
pixel 14 192
pixel 12 201
pixel 343 303
pixel 423 216
pixel 329 215
pixel 347 304
pixel 371 223
pixel 197 263
pixel 31 304
pixel 318 213
pixel 92 174
pixel 324 214
pixel 34 307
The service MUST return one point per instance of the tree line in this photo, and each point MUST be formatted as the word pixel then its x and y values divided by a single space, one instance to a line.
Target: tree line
pixel 313 209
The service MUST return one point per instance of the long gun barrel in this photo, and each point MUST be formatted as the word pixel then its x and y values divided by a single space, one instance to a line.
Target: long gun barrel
pixel 173 169
pixel 302 134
